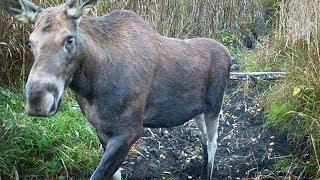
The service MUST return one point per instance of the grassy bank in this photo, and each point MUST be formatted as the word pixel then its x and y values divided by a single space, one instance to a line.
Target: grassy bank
pixel 294 104
pixel 45 147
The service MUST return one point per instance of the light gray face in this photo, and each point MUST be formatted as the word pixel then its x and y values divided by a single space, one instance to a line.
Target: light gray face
pixel 55 48
pixel 54 43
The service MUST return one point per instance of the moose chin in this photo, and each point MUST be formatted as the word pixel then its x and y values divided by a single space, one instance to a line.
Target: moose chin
pixel 124 74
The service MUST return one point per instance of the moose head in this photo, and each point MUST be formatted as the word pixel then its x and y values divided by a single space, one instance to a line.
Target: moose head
pixel 56 47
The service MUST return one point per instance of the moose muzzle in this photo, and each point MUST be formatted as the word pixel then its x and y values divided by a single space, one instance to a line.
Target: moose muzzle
pixel 43 98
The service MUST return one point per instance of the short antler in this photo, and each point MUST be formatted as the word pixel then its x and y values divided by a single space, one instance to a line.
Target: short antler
pixel 75 8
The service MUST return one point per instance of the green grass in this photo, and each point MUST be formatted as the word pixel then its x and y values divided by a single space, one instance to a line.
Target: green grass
pixel 45 147
pixel 270 55
pixel 289 165
pixel 293 105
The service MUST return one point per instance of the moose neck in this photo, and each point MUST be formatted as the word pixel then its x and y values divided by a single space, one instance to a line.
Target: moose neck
pixel 109 45
pixel 93 57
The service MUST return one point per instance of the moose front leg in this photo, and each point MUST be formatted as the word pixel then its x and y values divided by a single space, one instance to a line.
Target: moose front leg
pixel 114 154
pixel 104 142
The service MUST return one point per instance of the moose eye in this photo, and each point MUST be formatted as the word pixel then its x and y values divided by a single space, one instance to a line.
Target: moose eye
pixel 70 40
pixel 28 42
pixel 69 43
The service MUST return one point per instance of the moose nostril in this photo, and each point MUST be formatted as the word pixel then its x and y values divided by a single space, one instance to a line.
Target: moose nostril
pixel 43 95
pixel 41 104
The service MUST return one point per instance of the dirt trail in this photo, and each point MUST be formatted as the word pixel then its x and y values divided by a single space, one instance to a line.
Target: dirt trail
pixel 245 148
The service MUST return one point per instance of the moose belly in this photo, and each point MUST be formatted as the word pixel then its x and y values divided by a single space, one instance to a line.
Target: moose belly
pixel 169 111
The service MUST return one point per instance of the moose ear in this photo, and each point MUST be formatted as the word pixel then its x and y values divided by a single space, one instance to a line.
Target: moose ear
pixel 75 8
pixel 23 10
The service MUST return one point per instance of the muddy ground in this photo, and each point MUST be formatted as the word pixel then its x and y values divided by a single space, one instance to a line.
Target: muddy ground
pixel 246 148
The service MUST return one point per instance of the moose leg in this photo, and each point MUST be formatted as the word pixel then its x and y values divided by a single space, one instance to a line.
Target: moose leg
pixel 104 142
pixel 114 154
pixel 214 104
pixel 116 175
pixel 212 123
pixel 199 119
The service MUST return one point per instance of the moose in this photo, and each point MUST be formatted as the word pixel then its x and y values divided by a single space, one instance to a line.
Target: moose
pixel 125 76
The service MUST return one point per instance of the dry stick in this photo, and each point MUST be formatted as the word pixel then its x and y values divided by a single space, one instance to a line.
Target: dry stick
pixel 315 152
pixel 65 168
pixel 257 75
pixel 16 174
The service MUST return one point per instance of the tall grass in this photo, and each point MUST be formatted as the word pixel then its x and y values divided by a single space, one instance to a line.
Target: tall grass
pixel 295 103
pixel 231 21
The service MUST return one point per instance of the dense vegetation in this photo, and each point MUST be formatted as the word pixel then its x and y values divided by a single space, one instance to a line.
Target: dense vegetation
pixel 285 33
pixel 294 105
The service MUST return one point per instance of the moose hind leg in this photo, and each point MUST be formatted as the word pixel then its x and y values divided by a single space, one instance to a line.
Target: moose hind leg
pixel 212 123
pixel 199 119
pixel 215 100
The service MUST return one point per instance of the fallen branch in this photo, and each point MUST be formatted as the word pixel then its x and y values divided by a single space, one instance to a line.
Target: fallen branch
pixel 16 174
pixel 257 75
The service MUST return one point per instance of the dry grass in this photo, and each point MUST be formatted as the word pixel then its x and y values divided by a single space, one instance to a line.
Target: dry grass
pixel 185 18
pixel 15 58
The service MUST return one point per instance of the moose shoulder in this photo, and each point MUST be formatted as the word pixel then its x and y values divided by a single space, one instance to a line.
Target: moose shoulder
pixel 124 74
